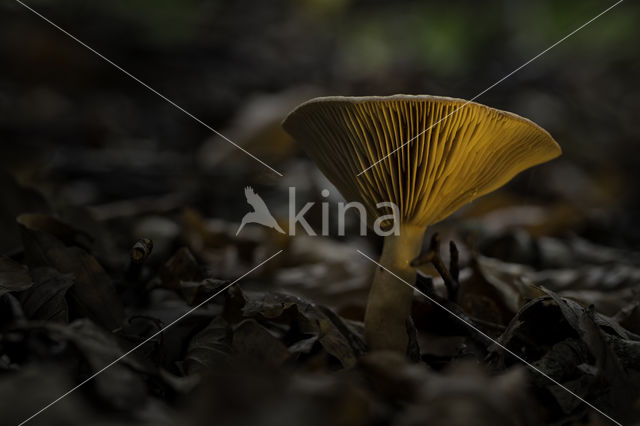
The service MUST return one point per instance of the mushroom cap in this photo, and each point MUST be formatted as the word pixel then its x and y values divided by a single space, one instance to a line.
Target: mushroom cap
pixel 463 156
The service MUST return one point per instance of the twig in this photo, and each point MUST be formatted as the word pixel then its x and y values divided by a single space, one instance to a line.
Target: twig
pixel 433 256
pixel 454 265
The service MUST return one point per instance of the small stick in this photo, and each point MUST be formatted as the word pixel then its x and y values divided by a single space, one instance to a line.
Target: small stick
pixel 456 309
pixel 433 256
pixel 454 265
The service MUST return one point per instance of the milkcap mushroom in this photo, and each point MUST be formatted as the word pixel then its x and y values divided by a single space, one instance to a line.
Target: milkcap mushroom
pixel 452 159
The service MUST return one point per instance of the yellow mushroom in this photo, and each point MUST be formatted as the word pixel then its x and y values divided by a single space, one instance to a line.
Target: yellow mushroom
pixel 458 151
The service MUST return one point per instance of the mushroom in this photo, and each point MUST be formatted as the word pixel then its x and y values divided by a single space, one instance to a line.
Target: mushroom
pixel 459 151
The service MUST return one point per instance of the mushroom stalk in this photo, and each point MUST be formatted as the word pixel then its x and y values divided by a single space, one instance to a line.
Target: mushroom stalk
pixel 389 304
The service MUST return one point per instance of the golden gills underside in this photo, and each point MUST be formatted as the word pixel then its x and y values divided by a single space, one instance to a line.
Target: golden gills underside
pixel 457 151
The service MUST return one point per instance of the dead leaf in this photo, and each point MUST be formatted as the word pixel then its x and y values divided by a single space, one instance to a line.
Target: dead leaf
pixel 119 386
pixel 16 199
pixel 13 276
pixel 195 292
pixel 336 336
pixel 255 344
pixel 182 266
pixel 208 349
pixel 66 233
pixel 93 294
pixel 46 300
pixel 577 347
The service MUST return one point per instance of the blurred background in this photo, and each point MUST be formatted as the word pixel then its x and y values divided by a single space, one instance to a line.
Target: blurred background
pixel 86 134
pixel 85 144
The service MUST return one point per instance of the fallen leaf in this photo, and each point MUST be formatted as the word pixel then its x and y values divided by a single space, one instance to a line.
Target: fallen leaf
pixel 208 349
pixel 336 336
pixel 13 276
pixel 16 199
pixel 93 294
pixel 46 300
pixel 255 344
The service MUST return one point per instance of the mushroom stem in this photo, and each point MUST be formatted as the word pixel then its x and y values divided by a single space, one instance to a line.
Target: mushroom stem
pixel 389 303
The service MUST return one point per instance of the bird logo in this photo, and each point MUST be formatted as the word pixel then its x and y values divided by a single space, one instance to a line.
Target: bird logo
pixel 260 213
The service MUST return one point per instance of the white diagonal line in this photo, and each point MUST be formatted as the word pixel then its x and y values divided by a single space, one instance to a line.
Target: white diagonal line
pixel 148 87
pixel 492 86
pixel 476 329
pixel 139 345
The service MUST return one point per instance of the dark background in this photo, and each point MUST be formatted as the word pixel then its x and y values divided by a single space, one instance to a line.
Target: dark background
pixel 108 162
pixel 74 125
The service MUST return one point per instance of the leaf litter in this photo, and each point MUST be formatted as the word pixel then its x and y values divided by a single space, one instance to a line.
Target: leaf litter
pixel 285 345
